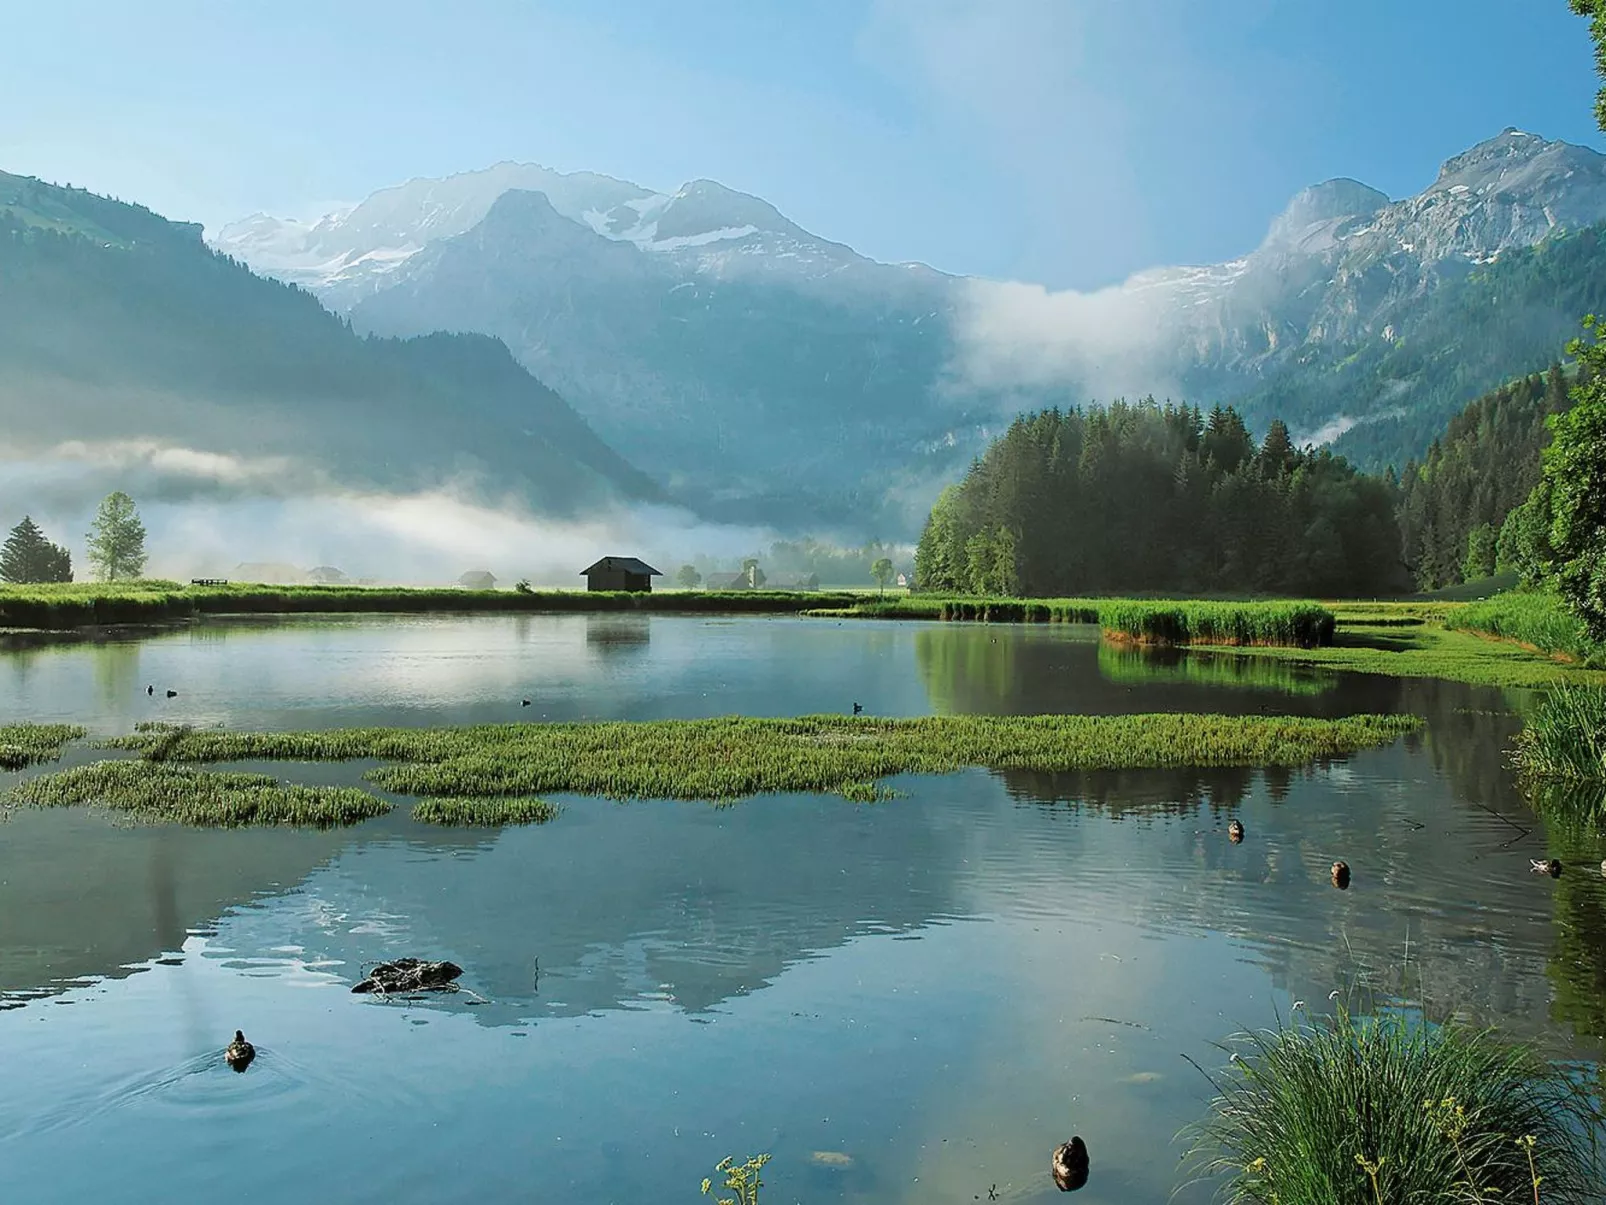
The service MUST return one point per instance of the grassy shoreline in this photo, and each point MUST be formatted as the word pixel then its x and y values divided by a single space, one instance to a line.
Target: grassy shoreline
pixel 91 604
pixel 493 774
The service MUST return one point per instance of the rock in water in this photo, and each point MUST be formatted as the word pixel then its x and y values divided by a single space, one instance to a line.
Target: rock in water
pixel 1069 1165
pixel 409 975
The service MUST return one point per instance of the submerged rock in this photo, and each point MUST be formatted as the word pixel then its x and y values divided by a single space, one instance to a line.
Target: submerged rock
pixel 409 975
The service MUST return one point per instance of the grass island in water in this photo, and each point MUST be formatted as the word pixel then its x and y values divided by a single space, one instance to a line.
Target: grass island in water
pixel 497 773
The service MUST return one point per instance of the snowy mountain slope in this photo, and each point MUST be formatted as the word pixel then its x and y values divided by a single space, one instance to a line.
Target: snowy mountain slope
pixel 719 343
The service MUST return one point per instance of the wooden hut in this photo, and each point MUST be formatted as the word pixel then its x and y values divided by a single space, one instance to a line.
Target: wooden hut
pixel 624 574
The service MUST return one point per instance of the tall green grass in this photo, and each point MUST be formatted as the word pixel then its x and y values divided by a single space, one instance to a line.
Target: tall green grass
pixel 1536 618
pixel 28 744
pixel 1384 1111
pixel 1564 740
pixel 485 813
pixel 89 604
pixel 1304 625
pixel 733 758
pixel 154 790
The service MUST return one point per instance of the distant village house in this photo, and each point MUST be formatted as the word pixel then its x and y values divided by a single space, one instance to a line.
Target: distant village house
pixel 477 579
pixel 620 574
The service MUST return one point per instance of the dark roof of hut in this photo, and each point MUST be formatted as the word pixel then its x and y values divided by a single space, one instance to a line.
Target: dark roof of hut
pixel 622 564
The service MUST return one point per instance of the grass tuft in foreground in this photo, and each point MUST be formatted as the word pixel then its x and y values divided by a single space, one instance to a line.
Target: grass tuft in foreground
pixel 1564 740
pixel 210 798
pixel 24 745
pixel 732 758
pixel 485 813
pixel 1384 1110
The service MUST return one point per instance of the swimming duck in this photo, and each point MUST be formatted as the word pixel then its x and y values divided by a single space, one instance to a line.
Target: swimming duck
pixel 150 690
pixel 239 1053
pixel 1235 832
pixel 172 694
pixel 1546 866
pixel 857 708
pixel 1341 875
pixel 1603 868
pixel 1069 1165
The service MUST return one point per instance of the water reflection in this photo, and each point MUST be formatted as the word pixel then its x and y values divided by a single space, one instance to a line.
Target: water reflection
pixel 612 635
pixel 937 989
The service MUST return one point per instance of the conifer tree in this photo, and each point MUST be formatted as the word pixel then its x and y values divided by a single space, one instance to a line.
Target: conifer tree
pixel 28 557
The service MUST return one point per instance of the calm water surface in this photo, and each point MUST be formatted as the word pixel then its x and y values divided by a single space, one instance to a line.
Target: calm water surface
pixel 912 1001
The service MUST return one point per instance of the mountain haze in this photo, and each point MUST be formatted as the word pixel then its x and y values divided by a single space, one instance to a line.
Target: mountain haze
pixel 764 372
pixel 121 329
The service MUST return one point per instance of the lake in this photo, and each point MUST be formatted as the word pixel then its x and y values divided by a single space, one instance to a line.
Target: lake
pixel 908 1001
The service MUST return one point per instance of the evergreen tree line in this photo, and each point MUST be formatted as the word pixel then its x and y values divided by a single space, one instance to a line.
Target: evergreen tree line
pixel 1140 496
pixel 1454 504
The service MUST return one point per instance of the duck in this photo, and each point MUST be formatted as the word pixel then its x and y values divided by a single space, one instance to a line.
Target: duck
pixel 1603 868
pixel 1546 866
pixel 1341 875
pixel 857 708
pixel 1069 1164
pixel 524 702
pixel 172 694
pixel 150 690
pixel 1235 831
pixel 239 1053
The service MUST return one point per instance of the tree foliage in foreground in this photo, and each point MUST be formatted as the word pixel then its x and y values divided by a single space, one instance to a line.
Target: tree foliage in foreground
pixel 1132 497
pixel 28 557
pixel 1560 532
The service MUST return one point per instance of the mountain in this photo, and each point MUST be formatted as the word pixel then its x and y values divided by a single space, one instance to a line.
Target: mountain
pixel 117 325
pixel 767 373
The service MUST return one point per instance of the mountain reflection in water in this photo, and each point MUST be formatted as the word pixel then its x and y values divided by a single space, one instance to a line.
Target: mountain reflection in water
pixel 1076 933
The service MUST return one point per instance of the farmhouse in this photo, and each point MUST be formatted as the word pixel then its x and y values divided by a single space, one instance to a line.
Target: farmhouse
pixel 621 573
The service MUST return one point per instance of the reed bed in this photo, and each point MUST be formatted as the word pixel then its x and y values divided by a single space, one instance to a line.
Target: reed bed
pixel 1304 625
pixel 1135 667
pixel 23 745
pixel 734 757
pixel 152 790
pixel 1536 618
pixel 461 812
pixel 1564 740
pixel 75 605
pixel 1383 1110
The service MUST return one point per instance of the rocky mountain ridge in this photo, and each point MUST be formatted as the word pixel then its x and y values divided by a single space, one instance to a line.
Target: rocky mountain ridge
pixel 760 368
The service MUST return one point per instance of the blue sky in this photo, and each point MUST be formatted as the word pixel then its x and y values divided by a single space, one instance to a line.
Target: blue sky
pixel 1068 142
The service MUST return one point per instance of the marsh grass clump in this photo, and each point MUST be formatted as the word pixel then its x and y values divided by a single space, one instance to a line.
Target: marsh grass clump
pixel 23 745
pixel 1304 625
pixel 743 1179
pixel 207 798
pixel 494 812
pixel 736 757
pixel 1535 618
pixel 1385 1109
pixel 1564 740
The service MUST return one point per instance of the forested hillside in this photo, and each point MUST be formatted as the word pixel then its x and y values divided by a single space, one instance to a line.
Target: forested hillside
pixel 115 324
pixel 1149 497
pixel 1453 504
